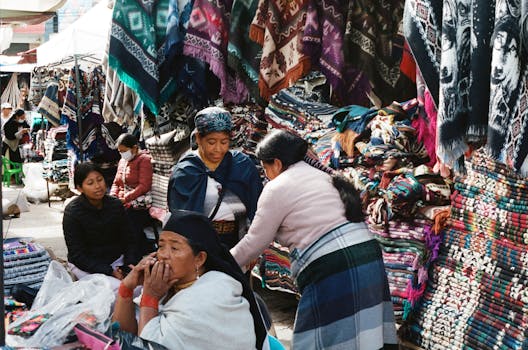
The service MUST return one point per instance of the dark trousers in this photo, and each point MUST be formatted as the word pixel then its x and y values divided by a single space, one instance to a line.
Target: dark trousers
pixel 139 219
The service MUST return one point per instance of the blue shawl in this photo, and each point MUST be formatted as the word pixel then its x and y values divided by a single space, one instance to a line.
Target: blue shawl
pixel 236 172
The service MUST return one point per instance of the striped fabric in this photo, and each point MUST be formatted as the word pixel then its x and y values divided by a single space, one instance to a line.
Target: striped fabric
pixel 345 302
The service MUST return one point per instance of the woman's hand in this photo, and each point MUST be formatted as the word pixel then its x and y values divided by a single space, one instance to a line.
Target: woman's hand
pixel 136 275
pixel 157 281
pixel 118 273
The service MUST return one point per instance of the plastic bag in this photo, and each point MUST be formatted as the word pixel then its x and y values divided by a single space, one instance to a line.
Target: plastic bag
pixel 35 187
pixel 67 302
pixel 129 341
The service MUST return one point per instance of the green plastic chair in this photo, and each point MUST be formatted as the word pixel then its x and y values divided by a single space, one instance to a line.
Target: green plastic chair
pixel 11 169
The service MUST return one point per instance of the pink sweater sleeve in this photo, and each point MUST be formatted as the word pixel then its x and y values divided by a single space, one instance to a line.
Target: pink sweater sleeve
pixel 271 210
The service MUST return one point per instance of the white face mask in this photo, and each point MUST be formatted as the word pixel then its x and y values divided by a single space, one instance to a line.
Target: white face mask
pixel 127 155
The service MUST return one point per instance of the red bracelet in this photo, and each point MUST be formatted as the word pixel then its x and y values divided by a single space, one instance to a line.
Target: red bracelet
pixel 125 292
pixel 149 301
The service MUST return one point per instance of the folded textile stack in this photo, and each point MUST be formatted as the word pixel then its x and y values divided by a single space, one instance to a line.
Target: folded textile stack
pixel 56 171
pixel 408 249
pixel 249 126
pixel 24 263
pixel 165 151
pixel 478 291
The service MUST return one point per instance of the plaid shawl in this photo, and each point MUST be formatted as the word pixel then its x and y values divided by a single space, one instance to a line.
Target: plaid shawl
pixel 279 31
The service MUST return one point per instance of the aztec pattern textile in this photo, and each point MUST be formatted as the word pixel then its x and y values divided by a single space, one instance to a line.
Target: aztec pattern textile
pixel 374 47
pixel 136 51
pixel 243 53
pixel 207 39
pixel 49 104
pixel 249 126
pixel 119 100
pixel 24 263
pixel 278 27
pixel 477 296
pixel 342 264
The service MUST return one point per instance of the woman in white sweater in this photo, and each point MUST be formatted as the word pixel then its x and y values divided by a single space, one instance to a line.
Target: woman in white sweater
pixel 336 263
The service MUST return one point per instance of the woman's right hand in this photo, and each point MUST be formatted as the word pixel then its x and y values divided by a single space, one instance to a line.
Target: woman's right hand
pixel 136 274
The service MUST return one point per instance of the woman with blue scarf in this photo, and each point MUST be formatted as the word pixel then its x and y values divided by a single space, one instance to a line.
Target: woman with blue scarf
pixel 213 180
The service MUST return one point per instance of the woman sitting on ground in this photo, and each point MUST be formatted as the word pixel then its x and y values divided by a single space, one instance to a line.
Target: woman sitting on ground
pixel 98 235
pixel 194 294
pixel 133 183
pixel 335 261
pixel 222 184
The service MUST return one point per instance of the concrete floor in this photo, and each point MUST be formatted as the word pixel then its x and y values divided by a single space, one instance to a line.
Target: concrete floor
pixel 44 225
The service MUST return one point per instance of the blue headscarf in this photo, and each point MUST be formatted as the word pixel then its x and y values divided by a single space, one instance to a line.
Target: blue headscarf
pixel 213 119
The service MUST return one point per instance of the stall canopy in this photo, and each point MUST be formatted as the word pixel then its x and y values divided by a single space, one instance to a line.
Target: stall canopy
pixel 28 11
pixel 86 36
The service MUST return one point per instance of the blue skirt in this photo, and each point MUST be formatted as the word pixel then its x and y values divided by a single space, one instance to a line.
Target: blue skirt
pixel 345 302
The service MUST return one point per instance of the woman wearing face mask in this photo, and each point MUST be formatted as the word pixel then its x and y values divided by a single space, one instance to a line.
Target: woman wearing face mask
pixel 133 182
pixel 97 233
pixel 16 132
pixel 222 184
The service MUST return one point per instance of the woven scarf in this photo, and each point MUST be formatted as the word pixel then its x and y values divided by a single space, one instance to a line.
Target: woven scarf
pixel 49 105
pixel 278 27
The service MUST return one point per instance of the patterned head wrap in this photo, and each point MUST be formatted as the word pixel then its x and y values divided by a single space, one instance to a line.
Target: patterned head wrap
pixel 213 119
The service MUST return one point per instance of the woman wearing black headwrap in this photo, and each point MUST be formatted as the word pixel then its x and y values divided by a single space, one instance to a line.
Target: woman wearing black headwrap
pixel 194 294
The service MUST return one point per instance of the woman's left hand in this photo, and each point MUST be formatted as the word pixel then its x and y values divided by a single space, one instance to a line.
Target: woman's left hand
pixel 157 281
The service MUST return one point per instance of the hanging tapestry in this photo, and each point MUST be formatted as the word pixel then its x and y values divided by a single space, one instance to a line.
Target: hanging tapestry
pixel 278 27
pixel 207 38
pixel 137 36
pixel 373 45
pixel 243 53
pixel 49 104
pixel 422 25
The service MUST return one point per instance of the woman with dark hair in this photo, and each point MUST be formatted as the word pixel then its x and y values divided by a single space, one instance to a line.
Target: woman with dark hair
pixel 16 132
pixel 133 183
pixel 222 184
pixel 194 294
pixel 335 261
pixel 97 234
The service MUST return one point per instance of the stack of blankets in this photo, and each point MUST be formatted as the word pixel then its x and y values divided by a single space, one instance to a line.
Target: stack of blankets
pixel 165 151
pixel 478 292
pixel 249 126
pixel 24 263
pixel 273 269
pixel 408 249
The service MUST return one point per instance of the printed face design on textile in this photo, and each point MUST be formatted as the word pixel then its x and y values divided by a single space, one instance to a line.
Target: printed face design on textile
pixel 506 60
pixel 449 37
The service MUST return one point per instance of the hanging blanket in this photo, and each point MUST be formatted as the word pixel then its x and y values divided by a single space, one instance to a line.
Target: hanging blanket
pixel 422 25
pixel 49 105
pixel 137 36
pixel 374 46
pixel 278 27
pixel 207 38
pixel 243 53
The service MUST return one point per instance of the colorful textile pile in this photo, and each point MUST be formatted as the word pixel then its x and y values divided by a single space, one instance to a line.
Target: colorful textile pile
pixel 478 295
pixel 408 250
pixel 249 126
pixel 165 151
pixel 273 269
pixel 24 263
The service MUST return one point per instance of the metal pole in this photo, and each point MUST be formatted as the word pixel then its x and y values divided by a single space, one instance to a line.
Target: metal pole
pixel 2 305
pixel 79 114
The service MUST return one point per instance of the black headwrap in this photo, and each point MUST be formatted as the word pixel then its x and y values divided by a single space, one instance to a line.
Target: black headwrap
pixel 198 230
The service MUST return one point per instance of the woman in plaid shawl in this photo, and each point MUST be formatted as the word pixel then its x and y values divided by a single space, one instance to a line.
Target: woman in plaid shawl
pixel 336 263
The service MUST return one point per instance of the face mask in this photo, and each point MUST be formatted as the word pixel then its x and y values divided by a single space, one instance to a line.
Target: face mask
pixel 21 121
pixel 127 155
